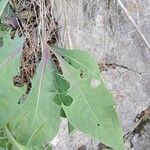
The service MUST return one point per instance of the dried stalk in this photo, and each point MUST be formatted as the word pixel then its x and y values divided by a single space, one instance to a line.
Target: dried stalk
pixel 134 23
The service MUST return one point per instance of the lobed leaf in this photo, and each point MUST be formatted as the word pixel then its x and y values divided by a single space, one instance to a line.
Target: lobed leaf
pixel 9 67
pixel 39 117
pixel 61 87
pixel 93 109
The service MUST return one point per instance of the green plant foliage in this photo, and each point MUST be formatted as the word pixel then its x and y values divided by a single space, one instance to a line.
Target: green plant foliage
pixel 78 94
pixel 78 58
pixel 8 12
pixel 3 4
pixel 48 148
pixel 9 67
pixel 61 88
pixel 38 119
pixel 70 127
pixel 3 141
pixel 92 110
pixel 5 14
pixel 3 30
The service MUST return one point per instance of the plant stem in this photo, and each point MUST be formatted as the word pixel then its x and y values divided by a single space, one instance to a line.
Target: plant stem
pixel 12 140
pixel 134 23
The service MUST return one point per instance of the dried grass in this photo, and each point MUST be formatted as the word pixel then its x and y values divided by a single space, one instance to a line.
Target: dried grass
pixel 38 26
pixel 36 20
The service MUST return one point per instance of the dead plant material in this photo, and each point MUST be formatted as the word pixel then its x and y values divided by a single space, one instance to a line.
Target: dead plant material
pixel 28 19
pixel 106 66
pixel 141 120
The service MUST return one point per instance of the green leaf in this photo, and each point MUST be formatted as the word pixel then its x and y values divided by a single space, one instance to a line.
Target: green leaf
pixel 9 67
pixel 39 117
pixel 93 109
pixel 71 128
pixel 8 12
pixel 3 139
pixel 3 142
pixel 13 141
pixel 62 113
pixel 61 87
pixel 3 30
pixel 79 58
pixel 3 4
pixel 49 148
pixel 8 146
pixel 1 42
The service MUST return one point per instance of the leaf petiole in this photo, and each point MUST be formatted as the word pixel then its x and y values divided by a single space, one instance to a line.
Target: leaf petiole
pixel 12 140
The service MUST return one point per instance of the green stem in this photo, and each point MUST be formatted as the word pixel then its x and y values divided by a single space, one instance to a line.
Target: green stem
pixel 13 141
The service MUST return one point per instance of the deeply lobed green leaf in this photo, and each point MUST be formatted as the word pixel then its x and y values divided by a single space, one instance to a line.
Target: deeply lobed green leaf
pixel 61 87
pixel 89 107
pixel 38 119
pixel 9 67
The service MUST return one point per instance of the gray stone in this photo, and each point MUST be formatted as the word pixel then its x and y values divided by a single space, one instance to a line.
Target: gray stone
pixel 102 27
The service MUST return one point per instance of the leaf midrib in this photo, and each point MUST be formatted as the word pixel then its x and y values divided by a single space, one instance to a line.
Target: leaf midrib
pixel 76 83
pixel 38 100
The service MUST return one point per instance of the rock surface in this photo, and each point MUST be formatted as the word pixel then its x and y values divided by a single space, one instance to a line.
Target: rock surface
pixel 102 27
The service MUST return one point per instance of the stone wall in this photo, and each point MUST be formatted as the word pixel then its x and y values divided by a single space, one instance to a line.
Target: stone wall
pixel 102 27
